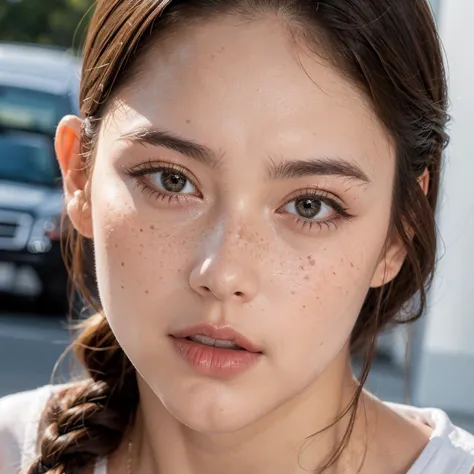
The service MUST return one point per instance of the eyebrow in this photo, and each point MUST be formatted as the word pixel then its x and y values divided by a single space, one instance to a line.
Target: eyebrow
pixel 326 166
pixel 154 137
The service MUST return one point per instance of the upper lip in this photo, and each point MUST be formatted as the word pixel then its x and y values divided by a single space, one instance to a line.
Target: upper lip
pixel 226 333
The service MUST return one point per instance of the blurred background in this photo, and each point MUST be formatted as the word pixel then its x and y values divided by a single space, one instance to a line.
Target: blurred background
pixel 429 364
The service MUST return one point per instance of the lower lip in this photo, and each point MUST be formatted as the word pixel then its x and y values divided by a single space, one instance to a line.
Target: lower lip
pixel 214 361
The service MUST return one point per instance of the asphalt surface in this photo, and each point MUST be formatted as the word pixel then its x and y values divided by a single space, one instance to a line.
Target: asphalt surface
pixel 31 344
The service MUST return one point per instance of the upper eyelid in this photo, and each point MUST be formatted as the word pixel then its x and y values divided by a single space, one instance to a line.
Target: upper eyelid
pixel 150 167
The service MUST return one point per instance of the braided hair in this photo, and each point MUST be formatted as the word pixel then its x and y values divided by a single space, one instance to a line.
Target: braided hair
pixel 87 420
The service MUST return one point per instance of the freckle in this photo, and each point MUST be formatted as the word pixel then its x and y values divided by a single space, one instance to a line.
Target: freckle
pixel 141 230
pixel 293 292
pixel 123 264
pixel 146 291
pixel 302 267
pixel 122 287
pixel 141 245
pixel 188 121
pixel 152 227
pixel 312 262
pixel 304 306
pixel 352 265
pixel 333 273
pixel 306 277
pixel 116 246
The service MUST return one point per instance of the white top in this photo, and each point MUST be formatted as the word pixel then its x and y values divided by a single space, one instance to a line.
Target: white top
pixel 449 451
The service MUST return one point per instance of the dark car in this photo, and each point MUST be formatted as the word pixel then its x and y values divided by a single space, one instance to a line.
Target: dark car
pixel 31 203
pixel 37 87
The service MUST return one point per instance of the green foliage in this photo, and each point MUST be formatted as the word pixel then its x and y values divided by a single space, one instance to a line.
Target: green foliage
pixel 53 22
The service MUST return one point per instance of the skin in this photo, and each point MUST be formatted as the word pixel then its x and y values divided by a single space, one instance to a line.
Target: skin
pixel 236 252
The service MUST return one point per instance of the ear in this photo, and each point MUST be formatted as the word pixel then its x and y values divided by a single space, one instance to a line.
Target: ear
pixel 74 172
pixel 392 260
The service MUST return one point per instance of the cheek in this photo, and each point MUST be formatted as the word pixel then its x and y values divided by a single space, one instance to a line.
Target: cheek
pixel 319 303
pixel 135 255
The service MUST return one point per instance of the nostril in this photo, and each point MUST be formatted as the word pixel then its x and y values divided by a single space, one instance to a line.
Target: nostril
pixel 239 294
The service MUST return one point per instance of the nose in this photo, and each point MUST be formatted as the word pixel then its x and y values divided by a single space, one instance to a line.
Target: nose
pixel 227 269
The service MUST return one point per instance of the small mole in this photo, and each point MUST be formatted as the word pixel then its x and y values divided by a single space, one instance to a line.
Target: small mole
pixel 146 291
pixel 188 121
pixel 122 287
pixel 123 264
pixel 306 277
pixel 141 230
pixel 333 273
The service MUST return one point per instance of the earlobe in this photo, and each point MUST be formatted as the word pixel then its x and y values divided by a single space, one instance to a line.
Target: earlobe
pixel 424 181
pixel 74 172
pixel 390 264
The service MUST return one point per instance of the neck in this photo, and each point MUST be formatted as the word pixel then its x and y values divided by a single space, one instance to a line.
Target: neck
pixel 275 443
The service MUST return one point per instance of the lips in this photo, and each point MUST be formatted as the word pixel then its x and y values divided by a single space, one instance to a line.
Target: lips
pixel 222 337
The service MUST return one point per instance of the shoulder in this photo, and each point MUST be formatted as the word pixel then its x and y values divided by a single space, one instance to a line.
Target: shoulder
pixel 450 449
pixel 20 415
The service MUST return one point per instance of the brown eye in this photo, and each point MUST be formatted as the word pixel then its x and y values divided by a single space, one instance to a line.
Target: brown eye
pixel 172 182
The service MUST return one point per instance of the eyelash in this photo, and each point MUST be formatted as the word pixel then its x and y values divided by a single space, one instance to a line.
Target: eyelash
pixel 145 169
pixel 342 213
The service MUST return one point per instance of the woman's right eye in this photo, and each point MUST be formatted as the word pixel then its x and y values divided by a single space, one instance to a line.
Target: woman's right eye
pixel 172 182
pixel 163 181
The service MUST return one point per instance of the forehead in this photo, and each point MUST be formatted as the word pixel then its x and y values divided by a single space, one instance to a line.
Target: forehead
pixel 250 87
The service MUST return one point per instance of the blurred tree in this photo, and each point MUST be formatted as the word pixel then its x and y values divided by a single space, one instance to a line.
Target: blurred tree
pixel 54 22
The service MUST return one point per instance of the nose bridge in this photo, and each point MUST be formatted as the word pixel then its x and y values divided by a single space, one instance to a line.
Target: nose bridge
pixel 227 267
pixel 239 235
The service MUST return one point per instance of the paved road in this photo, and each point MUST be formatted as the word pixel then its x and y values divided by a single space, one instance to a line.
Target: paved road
pixel 31 344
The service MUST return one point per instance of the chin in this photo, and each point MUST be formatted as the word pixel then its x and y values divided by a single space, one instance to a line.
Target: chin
pixel 209 407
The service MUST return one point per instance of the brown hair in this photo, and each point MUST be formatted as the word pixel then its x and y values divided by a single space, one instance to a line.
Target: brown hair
pixel 390 51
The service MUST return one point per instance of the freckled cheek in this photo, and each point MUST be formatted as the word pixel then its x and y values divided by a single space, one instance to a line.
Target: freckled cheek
pixel 325 289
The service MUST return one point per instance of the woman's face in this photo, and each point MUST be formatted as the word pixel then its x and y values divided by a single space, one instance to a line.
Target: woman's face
pixel 271 219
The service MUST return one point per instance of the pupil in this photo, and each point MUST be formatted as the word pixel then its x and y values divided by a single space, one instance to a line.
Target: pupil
pixel 173 182
pixel 308 208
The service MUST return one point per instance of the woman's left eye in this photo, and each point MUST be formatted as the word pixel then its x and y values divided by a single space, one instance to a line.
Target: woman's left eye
pixel 172 182
pixel 309 208
pixel 319 209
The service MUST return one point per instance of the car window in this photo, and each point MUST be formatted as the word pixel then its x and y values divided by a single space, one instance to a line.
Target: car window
pixel 31 110
pixel 27 158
